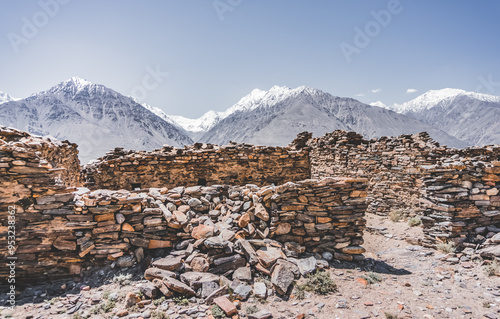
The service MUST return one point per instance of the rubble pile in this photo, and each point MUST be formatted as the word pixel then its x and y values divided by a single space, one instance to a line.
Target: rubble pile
pixel 217 228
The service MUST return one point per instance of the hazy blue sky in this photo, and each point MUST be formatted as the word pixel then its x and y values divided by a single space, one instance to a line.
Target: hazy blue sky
pixel 215 52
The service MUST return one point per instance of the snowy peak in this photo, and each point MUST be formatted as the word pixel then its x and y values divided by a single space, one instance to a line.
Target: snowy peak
pixel 4 98
pixel 379 104
pixel 256 99
pixel 76 85
pixel 201 124
pixel 431 98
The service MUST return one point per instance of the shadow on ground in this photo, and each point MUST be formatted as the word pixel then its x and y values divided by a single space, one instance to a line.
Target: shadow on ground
pixel 93 278
pixel 371 265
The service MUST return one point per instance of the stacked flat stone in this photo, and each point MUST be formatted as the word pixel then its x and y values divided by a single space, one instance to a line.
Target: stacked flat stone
pixel 33 189
pixel 199 164
pixel 392 165
pixel 462 202
pixel 106 226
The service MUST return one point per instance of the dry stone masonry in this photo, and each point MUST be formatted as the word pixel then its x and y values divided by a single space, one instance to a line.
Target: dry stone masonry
pixel 66 232
pixel 462 203
pixel 199 164
pixel 392 165
pixel 136 212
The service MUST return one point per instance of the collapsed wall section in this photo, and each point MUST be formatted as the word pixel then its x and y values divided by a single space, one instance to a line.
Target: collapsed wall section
pixel 61 234
pixel 200 164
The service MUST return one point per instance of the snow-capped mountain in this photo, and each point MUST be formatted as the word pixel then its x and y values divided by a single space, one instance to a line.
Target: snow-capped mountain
pixel 4 98
pixel 379 104
pixel 211 118
pixel 93 116
pixel 275 117
pixel 470 116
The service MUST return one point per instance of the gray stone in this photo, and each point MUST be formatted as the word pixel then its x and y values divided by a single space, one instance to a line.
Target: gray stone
pixel 207 288
pixel 242 291
pixel 263 314
pixel 327 256
pixel 149 290
pixel 250 253
pixel 260 289
pixel 196 279
pixel 306 265
pixel 194 202
pixel 291 266
pixel 152 273
pixel 178 286
pixel 125 261
pixel 282 278
pixel 216 242
pixel 171 263
pixel 243 274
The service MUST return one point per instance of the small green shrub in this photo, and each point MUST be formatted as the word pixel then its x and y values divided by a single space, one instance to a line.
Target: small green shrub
pixel 217 312
pixel 299 291
pixel 183 301
pixel 389 315
pixel 122 279
pixel 493 269
pixel 320 283
pixel 396 215
pixel 251 309
pixel 158 314
pixel 372 277
pixel 159 301
pixel 105 295
pixel 106 307
pixel 446 247
pixel 415 221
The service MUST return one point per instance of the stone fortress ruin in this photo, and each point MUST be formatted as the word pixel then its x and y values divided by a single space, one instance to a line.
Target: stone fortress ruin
pixel 226 206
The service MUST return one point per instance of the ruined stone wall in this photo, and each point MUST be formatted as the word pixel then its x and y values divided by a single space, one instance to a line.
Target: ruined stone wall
pixel 61 233
pixel 60 157
pixel 392 165
pixel 462 202
pixel 234 164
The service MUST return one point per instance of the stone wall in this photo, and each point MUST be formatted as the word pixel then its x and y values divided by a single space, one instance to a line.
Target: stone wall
pixel 61 158
pixel 60 233
pixel 200 164
pixel 462 202
pixel 392 165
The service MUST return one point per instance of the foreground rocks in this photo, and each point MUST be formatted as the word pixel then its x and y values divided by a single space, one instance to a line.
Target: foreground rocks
pixel 408 281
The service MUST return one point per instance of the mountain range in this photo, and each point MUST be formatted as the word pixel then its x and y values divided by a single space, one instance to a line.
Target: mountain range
pixel 93 116
pixel 469 116
pixel 98 118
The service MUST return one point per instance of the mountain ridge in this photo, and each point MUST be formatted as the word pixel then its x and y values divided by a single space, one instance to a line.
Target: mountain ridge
pixel 95 117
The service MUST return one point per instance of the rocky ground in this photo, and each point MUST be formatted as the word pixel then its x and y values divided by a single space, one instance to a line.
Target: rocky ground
pixel 397 280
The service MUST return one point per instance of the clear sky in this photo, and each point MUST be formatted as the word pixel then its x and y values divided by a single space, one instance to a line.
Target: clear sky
pixel 217 51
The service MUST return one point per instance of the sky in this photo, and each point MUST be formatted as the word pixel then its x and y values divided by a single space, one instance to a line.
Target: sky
pixel 187 57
